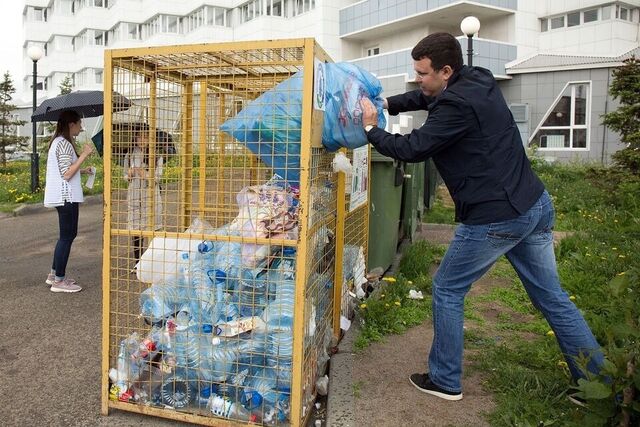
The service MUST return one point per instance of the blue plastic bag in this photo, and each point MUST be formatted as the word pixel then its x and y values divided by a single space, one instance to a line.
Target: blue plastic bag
pixel 346 85
pixel 270 126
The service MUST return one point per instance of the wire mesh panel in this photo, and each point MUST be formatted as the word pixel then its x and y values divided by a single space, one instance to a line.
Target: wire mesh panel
pixel 222 239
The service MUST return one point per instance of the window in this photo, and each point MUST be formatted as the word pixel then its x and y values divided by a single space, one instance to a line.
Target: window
pixel 590 15
pixel 573 19
pixel 557 22
pixel 134 31
pixel 250 11
pixel 37 14
pixel 565 126
pixel 98 74
pixel 100 38
pixel 606 12
pixel 276 8
pixel 371 51
pixel 544 25
pixel 303 6
pixel 170 24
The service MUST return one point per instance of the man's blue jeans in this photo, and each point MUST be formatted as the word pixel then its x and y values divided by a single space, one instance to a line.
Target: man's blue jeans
pixel 527 242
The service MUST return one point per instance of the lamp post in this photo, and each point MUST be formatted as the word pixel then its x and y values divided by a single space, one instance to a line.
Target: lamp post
pixel 470 26
pixel 35 53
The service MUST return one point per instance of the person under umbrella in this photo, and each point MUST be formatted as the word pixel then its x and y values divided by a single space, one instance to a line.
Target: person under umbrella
pixel 143 212
pixel 63 191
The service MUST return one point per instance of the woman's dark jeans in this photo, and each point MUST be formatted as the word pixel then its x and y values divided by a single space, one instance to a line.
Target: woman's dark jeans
pixel 68 221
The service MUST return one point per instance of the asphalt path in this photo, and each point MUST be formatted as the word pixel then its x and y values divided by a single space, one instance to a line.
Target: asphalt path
pixel 50 343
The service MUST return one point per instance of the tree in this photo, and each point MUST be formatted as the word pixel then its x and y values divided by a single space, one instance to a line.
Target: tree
pixel 66 86
pixel 626 119
pixel 9 139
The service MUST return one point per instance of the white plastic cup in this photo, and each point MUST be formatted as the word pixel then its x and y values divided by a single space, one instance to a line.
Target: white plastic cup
pixel 92 177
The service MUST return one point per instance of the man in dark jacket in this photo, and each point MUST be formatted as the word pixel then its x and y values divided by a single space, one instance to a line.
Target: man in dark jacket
pixel 501 204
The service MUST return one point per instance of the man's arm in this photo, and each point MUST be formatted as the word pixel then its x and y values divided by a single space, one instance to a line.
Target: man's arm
pixel 445 126
pixel 410 101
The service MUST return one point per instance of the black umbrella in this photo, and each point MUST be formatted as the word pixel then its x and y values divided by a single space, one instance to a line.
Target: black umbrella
pixel 87 103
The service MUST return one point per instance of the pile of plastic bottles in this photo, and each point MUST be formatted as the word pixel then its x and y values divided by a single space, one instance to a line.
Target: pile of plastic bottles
pixel 221 339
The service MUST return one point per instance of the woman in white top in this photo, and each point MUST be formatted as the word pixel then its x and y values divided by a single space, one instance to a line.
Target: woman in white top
pixel 63 191
pixel 143 202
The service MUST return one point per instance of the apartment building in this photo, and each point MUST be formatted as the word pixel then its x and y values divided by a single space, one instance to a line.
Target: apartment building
pixel 553 58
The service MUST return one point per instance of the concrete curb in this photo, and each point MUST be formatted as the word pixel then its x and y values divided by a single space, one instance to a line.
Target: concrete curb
pixel 340 399
pixel 33 208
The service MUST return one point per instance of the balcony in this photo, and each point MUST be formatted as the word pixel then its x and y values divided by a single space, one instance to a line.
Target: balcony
pixel 487 54
pixel 380 18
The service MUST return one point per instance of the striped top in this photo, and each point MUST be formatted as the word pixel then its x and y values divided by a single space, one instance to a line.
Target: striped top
pixel 57 190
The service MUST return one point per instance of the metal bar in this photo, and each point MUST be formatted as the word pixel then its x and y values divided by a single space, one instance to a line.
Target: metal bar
pixel 35 157
pixel 303 219
pixel 186 194
pixel 206 47
pixel 202 152
pixel 339 239
pixel 470 50
pixel 207 236
pixel 106 235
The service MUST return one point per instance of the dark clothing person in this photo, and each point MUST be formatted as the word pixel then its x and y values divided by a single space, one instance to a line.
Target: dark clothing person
pixel 475 145
pixel 502 205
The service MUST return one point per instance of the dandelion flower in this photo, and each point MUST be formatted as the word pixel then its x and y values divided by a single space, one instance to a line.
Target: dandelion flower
pixel 572 297
pixel 397 303
pixel 389 279
pixel 550 333
pixel 363 305
pixel 562 364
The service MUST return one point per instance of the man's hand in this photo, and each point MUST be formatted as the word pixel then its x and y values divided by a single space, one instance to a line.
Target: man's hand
pixel 369 113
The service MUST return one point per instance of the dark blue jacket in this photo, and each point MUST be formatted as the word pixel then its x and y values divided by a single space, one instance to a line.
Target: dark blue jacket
pixel 475 145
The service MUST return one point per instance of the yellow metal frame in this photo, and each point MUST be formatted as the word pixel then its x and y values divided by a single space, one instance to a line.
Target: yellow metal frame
pixel 311 135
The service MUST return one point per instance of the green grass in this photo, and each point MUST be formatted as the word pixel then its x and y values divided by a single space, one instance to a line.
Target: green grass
pixel 439 214
pixel 15 182
pixel 390 310
pixel 520 362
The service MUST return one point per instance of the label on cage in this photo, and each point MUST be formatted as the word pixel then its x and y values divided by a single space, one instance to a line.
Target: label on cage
pixel 319 85
pixel 237 327
pixel 359 178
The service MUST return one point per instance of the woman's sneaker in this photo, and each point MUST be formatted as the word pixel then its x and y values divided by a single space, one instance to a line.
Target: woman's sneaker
pixel 65 285
pixel 423 383
pixel 51 278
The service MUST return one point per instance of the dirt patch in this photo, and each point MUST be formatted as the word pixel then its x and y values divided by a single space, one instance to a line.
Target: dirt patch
pixel 383 394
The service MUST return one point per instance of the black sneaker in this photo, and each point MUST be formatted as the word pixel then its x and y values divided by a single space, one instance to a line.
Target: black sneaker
pixel 423 383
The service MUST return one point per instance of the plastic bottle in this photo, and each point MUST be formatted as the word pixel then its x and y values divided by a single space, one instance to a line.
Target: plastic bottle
pixel 278 315
pixel 225 408
pixel 176 391
pixel 201 295
pixel 267 385
pixel 160 301
pixel 219 279
pixel 219 359
pixel 279 348
pixel 186 345
pixel 252 291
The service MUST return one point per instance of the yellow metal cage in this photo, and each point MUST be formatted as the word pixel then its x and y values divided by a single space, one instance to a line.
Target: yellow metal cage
pixel 222 281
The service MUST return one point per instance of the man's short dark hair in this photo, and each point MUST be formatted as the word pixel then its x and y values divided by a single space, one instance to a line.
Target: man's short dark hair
pixel 441 48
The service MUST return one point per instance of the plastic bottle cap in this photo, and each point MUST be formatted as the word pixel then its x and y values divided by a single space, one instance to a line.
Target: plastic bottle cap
pixel 215 340
pixel 288 251
pixel 205 246
pixel 207 329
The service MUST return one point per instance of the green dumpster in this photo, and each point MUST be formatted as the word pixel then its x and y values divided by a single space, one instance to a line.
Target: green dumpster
pixel 430 182
pixel 412 199
pixel 384 210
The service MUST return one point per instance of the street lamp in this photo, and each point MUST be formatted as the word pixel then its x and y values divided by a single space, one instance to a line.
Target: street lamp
pixel 35 53
pixel 470 26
